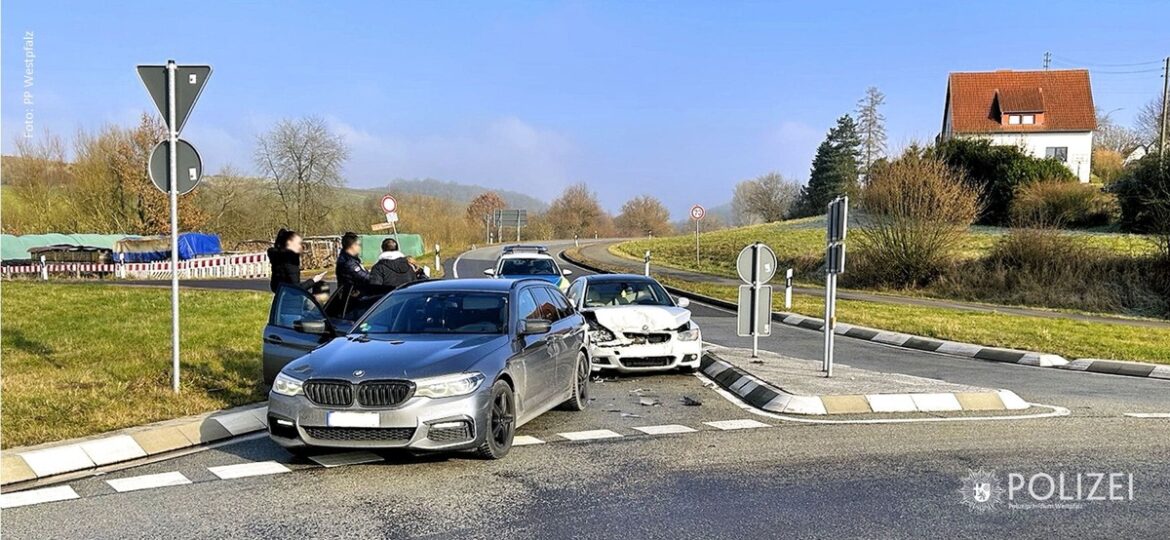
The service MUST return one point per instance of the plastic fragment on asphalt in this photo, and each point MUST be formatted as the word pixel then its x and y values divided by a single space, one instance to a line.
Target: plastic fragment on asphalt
pixel 690 401
pixel 243 470
pixel 148 481
pixel 37 496
pixel 647 402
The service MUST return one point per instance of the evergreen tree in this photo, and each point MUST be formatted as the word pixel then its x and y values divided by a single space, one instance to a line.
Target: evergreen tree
pixel 871 126
pixel 834 169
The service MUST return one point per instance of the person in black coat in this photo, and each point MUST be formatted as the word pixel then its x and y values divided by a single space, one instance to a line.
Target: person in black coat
pixel 352 277
pixel 393 269
pixel 285 258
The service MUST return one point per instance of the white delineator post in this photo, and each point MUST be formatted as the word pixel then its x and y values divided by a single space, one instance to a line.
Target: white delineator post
pixel 437 265
pixel 173 180
pixel 647 260
pixel 788 289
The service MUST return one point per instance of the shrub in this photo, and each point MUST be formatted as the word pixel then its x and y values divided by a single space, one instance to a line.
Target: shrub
pixel 1107 165
pixel 915 211
pixel 998 171
pixel 1050 203
pixel 1143 192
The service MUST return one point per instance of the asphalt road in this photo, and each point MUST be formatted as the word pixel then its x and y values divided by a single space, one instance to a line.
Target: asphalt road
pixel 776 479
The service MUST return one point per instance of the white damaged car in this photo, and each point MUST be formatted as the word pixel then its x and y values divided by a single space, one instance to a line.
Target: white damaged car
pixel 635 326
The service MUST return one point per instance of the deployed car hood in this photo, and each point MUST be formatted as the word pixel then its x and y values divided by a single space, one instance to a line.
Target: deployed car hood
pixel 396 356
pixel 634 318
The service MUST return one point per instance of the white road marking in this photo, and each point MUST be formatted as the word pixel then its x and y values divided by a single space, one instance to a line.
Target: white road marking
pixel 242 470
pixel 588 435
pixel 113 449
pixel 736 424
pixel 149 481
pixel 37 496
pixel 346 458
pixel 665 430
pixel 525 440
pixel 51 461
pixel 1148 414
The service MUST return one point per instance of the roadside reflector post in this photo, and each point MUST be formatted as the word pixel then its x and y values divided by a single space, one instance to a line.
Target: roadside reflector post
pixel 576 240
pixel 44 269
pixel 788 290
pixel 836 224
pixel 437 266
pixel 646 259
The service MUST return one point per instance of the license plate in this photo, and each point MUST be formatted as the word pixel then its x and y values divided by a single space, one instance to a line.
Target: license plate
pixel 351 419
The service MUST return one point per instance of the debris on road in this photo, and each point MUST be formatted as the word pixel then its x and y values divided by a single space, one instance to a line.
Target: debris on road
pixel 690 401
pixel 630 415
pixel 647 402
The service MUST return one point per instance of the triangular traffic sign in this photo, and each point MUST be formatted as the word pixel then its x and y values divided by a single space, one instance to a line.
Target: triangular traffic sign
pixel 189 81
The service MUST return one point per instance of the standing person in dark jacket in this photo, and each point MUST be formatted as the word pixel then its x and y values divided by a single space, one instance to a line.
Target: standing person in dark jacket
pixel 352 278
pixel 393 269
pixel 285 258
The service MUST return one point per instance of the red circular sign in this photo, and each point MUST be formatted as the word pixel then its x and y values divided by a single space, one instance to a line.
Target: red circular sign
pixel 697 212
pixel 389 204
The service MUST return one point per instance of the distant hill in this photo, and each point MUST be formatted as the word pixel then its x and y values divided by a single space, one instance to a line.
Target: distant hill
pixel 461 192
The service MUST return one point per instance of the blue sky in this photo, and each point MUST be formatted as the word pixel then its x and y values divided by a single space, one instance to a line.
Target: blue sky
pixel 678 99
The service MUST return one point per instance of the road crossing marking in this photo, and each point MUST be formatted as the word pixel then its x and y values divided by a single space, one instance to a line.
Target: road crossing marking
pixel 345 458
pixel 149 481
pixel 525 440
pixel 590 435
pixel 242 470
pixel 736 424
pixel 37 496
pixel 668 429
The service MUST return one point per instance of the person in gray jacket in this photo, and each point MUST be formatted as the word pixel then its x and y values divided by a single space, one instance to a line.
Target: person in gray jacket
pixel 393 268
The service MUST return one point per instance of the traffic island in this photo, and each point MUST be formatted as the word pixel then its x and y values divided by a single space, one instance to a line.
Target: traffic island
pixel 784 385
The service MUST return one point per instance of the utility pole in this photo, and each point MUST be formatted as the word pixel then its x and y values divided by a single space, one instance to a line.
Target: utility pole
pixel 1047 60
pixel 1165 107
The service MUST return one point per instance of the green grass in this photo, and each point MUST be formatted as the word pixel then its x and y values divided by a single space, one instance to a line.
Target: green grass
pixel 800 244
pixel 85 359
pixel 1068 338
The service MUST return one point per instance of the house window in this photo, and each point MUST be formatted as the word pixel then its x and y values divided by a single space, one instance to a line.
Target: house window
pixel 1014 119
pixel 1059 153
pixel 1029 119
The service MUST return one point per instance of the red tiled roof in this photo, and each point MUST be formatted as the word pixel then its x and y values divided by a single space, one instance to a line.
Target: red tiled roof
pixel 977 100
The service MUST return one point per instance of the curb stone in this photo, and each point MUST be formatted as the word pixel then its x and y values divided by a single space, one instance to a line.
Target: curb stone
pixel 763 395
pixel 19 465
pixel 953 348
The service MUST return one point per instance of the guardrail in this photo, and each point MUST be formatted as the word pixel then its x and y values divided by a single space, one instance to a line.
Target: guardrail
pixel 241 266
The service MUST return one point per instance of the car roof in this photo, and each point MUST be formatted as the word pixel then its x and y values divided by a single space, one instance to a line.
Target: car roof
pixel 463 284
pixel 526 255
pixel 603 278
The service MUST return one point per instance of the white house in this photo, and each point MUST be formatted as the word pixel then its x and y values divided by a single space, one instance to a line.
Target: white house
pixel 1047 113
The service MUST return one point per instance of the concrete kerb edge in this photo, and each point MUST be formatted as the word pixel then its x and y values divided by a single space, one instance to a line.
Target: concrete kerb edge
pixel 952 348
pixel 47 460
pixel 776 400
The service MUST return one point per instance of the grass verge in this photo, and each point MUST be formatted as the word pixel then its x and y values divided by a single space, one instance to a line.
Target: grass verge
pixel 1069 338
pixel 85 359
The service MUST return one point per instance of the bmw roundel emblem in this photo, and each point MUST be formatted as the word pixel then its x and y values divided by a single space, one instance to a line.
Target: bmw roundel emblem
pixel 359 373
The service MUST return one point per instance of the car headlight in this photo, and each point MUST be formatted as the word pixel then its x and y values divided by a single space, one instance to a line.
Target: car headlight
pixel 286 386
pixel 448 385
pixel 690 334
pixel 603 335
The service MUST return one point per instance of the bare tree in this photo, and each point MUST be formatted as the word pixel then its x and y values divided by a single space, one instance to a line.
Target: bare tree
pixel 1113 136
pixel 871 127
pixel 577 212
pixel 1149 121
pixel 303 158
pixel 643 215
pixel 483 208
pixel 764 200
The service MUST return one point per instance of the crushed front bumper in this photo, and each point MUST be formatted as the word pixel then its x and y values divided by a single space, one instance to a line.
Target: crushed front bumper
pixel 454 423
pixel 638 358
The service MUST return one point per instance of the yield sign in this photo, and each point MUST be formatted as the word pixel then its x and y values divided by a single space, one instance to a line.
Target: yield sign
pixel 189 81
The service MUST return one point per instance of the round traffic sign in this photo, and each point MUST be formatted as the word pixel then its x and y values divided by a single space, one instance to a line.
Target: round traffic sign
pixel 389 205
pixel 697 212
pixel 190 167
pixel 764 258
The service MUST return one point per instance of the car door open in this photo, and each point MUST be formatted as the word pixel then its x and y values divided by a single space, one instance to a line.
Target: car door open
pixel 296 325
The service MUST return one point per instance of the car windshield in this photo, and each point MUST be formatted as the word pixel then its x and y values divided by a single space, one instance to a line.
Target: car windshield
pixel 527 267
pixel 621 293
pixel 446 312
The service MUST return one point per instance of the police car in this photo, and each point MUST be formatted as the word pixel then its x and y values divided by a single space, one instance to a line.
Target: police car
pixel 520 261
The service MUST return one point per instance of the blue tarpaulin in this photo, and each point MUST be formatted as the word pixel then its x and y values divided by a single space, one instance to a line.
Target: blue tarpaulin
pixel 158 248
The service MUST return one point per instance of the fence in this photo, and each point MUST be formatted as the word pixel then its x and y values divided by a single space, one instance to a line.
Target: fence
pixel 241 266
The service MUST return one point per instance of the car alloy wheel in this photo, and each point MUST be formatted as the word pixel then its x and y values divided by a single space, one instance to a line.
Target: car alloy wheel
pixel 581 382
pixel 501 423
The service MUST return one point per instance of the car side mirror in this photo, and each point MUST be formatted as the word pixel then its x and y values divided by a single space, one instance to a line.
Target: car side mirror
pixel 311 327
pixel 530 327
pixel 566 272
pixel 489 272
pixel 683 302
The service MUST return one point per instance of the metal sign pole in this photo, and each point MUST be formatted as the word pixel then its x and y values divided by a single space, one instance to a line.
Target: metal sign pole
pixel 752 318
pixel 696 244
pixel 173 174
